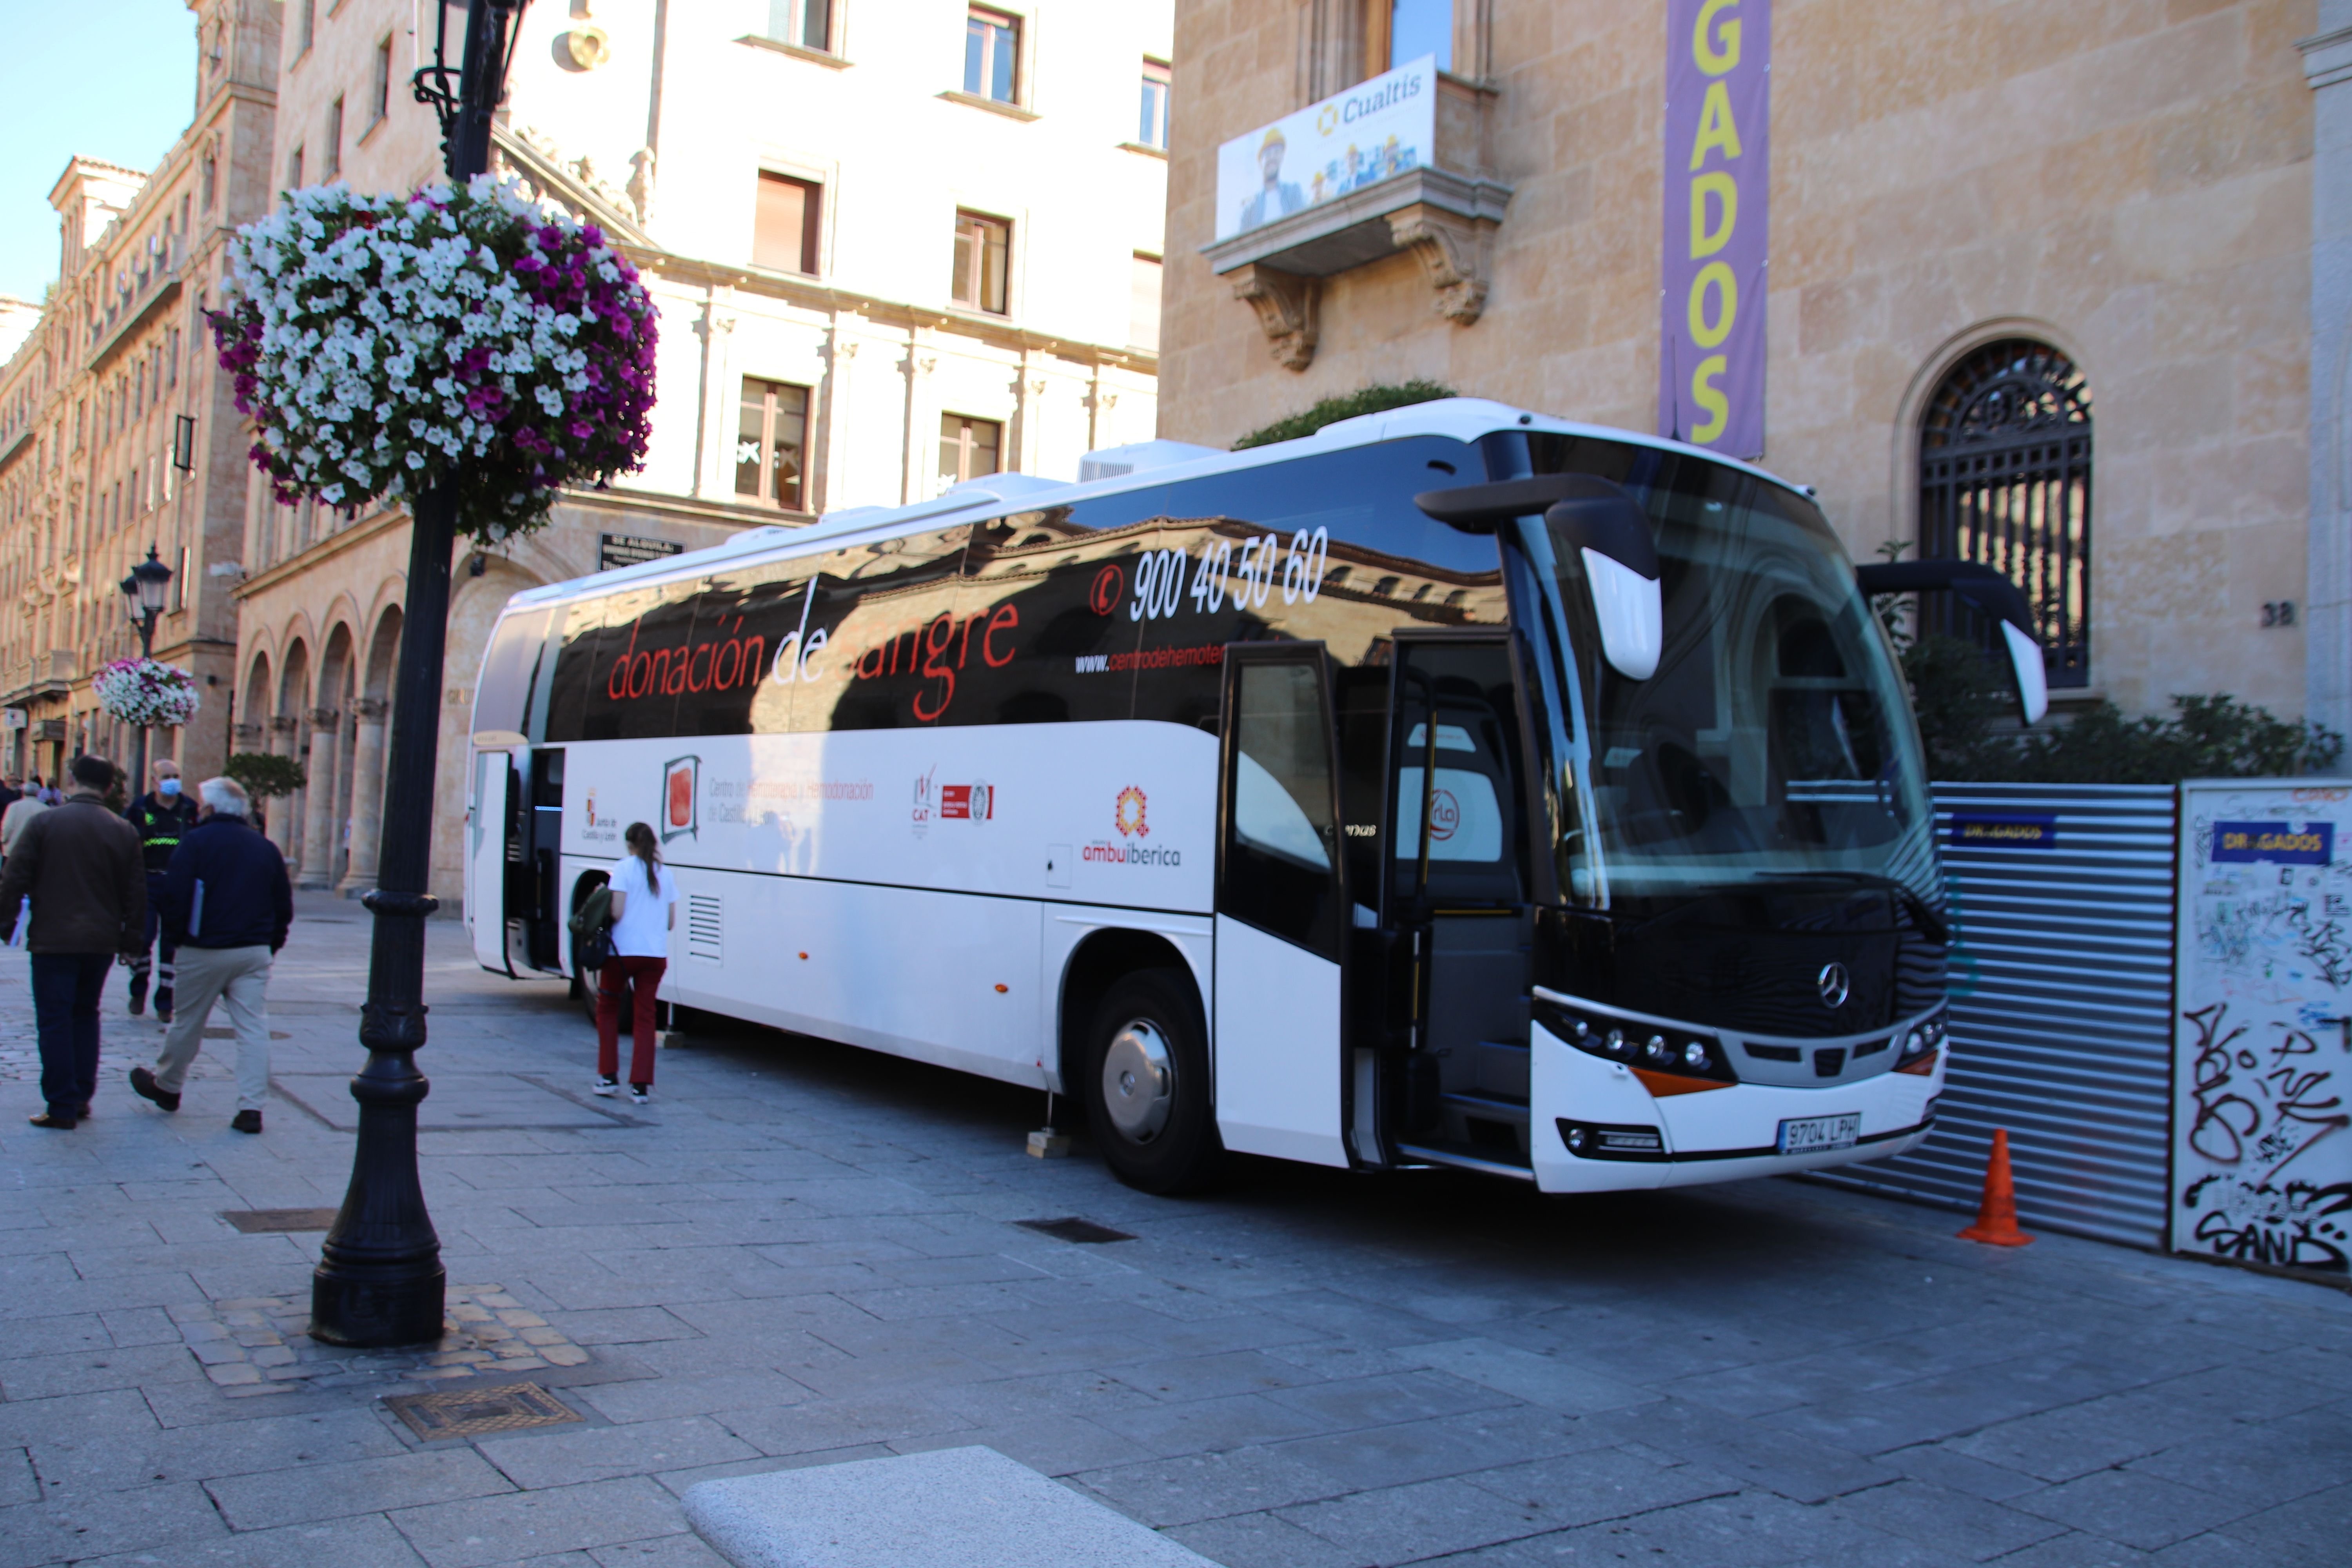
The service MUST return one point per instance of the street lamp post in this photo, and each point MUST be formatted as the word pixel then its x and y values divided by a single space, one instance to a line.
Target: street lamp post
pixel 380 1279
pixel 144 593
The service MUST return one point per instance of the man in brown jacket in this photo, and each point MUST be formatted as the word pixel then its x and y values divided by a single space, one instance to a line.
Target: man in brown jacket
pixel 81 864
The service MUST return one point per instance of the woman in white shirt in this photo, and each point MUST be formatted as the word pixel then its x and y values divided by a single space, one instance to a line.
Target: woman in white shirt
pixel 644 911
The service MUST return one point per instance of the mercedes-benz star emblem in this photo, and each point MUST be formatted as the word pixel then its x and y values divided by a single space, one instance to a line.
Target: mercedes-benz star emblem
pixel 1833 984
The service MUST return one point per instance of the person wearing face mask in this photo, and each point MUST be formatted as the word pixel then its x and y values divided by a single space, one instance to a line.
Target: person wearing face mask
pixel 163 816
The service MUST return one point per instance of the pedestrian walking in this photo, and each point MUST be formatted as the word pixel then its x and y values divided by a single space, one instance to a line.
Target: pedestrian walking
pixel 162 817
pixel 228 905
pixel 78 863
pixel 645 911
pixel 21 811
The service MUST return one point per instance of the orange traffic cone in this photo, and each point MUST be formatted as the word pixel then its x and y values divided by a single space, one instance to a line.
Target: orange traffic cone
pixel 1996 1223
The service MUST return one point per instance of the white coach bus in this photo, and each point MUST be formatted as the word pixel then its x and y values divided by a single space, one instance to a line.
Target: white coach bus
pixel 1457 786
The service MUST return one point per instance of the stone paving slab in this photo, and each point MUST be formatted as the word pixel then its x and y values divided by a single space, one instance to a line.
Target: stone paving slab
pixel 802 1255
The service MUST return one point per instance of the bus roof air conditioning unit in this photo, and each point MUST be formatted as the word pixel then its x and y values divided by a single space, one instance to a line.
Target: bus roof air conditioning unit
pixel 1111 462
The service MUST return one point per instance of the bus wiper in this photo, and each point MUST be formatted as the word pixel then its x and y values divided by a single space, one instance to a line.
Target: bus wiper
pixel 1930 921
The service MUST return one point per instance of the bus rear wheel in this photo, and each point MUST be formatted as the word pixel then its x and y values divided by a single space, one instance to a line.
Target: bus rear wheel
pixel 1147 1084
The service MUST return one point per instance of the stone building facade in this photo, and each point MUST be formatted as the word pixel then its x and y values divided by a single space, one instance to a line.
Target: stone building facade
pixel 118 434
pixel 2113 199
pixel 893 246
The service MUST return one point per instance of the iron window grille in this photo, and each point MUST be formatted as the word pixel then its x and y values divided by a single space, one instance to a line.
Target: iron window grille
pixel 2005 481
pixel 771 442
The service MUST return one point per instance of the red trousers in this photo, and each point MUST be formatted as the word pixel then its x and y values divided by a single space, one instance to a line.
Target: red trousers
pixel 617 981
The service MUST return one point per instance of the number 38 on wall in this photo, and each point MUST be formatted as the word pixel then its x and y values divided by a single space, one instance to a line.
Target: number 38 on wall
pixel 1250 578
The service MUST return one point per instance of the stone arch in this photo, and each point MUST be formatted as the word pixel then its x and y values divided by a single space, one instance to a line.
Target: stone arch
pixel 327 812
pixel 371 706
pixel 251 729
pixel 288 737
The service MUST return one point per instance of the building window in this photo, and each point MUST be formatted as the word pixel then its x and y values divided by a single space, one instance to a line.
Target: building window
pixel 212 173
pixel 1153 130
pixel 1401 31
pixel 1143 308
pixel 335 161
pixel 770 443
pixel 294 171
pixel 983 247
pixel 991 54
pixel 306 25
pixel 380 86
pixel 968 447
pixel 808 23
pixel 784 229
pixel 2005 479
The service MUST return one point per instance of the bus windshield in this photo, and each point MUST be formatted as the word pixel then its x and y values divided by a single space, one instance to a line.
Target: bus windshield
pixel 1774 740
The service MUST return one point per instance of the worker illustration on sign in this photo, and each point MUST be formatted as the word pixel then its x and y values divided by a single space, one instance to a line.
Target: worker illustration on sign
pixel 1275 199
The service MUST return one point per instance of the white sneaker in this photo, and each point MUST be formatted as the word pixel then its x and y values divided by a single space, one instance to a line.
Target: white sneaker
pixel 641 1093
pixel 606 1085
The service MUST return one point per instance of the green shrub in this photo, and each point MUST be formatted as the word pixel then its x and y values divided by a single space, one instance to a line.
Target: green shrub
pixel 264 775
pixel 1959 695
pixel 1331 410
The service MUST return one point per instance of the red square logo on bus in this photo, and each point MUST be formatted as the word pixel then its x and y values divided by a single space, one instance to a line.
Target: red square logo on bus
pixel 967 803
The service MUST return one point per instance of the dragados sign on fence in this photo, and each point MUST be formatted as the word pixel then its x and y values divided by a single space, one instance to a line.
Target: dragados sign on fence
pixel 1718 188
pixel 2262 1122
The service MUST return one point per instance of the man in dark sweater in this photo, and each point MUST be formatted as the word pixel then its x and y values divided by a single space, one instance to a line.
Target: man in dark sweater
pixel 228 905
pixel 79 863
pixel 163 816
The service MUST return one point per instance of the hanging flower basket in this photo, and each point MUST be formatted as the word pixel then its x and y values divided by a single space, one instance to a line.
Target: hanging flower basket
pixel 385 345
pixel 148 692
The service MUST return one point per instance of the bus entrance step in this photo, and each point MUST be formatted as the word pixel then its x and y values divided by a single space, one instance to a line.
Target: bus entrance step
pixel 951 1508
pixel 1503 1067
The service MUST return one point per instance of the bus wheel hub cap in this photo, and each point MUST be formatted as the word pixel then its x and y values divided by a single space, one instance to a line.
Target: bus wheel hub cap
pixel 1139 1081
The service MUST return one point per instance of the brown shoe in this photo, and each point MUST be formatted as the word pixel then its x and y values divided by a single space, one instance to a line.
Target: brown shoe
pixel 143 1084
pixel 53 1121
pixel 245 1121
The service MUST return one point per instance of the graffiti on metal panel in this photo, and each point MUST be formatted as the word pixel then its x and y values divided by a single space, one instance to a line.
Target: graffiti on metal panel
pixel 2261 1165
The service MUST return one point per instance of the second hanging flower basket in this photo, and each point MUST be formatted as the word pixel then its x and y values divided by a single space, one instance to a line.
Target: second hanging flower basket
pixel 460 337
pixel 148 692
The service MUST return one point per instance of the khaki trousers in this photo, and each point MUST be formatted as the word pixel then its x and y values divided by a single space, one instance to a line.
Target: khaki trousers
pixel 240 977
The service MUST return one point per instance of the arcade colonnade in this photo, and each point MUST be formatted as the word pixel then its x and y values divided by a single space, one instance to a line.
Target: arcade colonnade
pixel 325 701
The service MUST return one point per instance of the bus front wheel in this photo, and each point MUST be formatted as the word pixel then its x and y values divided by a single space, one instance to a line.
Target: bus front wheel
pixel 1147 1084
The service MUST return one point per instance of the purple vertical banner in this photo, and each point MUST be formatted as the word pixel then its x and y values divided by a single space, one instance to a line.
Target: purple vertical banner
pixel 1719 196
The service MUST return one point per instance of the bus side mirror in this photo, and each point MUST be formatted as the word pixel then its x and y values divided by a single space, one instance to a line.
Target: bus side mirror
pixel 1621 568
pixel 1990 592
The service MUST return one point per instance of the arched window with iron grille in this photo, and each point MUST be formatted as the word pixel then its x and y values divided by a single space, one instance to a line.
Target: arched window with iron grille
pixel 2005 480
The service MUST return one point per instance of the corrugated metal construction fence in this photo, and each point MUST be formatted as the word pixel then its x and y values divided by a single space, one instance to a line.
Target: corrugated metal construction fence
pixel 2062 901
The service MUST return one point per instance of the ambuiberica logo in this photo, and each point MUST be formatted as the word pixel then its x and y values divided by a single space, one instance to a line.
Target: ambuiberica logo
pixel 1131 814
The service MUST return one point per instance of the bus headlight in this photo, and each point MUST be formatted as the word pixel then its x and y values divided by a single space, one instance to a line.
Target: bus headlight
pixel 1650 1050
pixel 1917 1046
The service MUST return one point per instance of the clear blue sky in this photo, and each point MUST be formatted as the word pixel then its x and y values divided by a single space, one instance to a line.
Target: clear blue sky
pixel 106 79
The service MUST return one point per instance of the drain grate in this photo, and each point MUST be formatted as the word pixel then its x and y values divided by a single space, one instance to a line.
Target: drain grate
pixel 1072 1229
pixel 253 1222
pixel 478 1413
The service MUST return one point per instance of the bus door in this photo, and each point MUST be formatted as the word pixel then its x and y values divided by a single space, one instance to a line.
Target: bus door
pixel 1460 924
pixel 1281 909
pixel 492 844
pixel 540 909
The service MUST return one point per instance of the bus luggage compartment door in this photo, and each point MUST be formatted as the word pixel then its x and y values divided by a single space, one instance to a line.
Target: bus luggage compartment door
pixel 490 840
pixel 1281 909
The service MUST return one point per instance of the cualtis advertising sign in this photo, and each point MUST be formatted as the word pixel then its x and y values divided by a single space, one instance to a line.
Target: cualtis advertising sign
pixel 1373 131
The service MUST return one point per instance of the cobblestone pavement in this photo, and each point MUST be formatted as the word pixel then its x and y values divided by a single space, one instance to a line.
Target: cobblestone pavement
pixel 800 1253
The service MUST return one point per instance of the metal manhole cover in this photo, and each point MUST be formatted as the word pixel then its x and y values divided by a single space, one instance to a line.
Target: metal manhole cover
pixel 253 1221
pixel 477 1413
pixel 1074 1230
